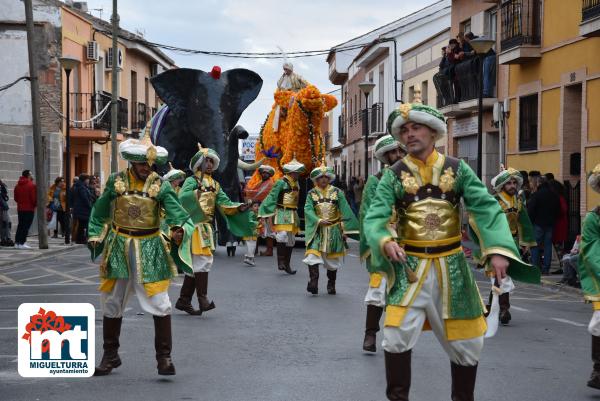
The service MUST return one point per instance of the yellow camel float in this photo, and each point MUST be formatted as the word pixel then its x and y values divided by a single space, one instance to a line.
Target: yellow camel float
pixel 298 133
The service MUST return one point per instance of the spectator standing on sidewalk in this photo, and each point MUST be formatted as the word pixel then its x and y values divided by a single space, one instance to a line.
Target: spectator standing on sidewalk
pixel 25 197
pixel 82 207
pixel 358 190
pixel 559 234
pixel 5 225
pixel 57 202
pixel 544 209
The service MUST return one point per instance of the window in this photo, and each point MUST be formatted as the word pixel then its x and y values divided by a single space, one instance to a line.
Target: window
pixel 359 169
pixel 492 24
pixel 528 122
pixel 411 94
pixel 424 89
pixel 465 27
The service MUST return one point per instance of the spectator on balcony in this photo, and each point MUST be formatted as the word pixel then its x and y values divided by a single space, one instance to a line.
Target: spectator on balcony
pixel 489 73
pixel 444 63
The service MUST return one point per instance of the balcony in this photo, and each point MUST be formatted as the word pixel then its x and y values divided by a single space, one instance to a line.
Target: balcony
pixel 376 120
pixel 139 117
pixel 458 87
pixel 590 18
pixel 84 106
pixel 520 31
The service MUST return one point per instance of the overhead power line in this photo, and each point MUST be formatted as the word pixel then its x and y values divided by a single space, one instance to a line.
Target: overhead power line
pixel 248 55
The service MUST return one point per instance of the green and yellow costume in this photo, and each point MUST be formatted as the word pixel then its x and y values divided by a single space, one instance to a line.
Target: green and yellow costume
pixel 126 215
pixel 282 204
pixel 201 195
pixel 427 198
pixel 328 204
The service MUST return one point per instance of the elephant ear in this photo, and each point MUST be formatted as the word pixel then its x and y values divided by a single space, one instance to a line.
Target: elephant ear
pixel 175 87
pixel 329 102
pixel 242 86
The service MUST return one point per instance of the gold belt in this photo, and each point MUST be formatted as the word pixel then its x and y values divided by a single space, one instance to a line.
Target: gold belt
pixel 135 233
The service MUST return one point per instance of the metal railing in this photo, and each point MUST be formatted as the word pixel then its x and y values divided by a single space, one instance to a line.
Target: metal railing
pixel 460 82
pixel 520 23
pixel 142 117
pixel 86 105
pixel 590 9
pixel 376 121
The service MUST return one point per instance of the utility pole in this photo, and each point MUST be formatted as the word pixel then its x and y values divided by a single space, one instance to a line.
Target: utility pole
pixel 38 148
pixel 114 107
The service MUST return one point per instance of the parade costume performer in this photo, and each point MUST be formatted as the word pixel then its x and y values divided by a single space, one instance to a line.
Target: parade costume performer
pixel 251 240
pixel 289 81
pixel 507 185
pixel 200 196
pixel 429 282
pixel 259 194
pixel 124 227
pixel 387 151
pixel 327 220
pixel 589 273
pixel 282 205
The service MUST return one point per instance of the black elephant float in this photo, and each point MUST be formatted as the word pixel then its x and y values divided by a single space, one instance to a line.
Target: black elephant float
pixel 204 108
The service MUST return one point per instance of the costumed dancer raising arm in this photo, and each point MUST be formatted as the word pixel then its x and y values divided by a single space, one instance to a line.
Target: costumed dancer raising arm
pixel 125 228
pixel 200 195
pixel 430 282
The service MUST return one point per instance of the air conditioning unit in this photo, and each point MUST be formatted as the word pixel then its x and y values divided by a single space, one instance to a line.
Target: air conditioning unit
pixel 155 69
pixel 109 59
pixel 92 51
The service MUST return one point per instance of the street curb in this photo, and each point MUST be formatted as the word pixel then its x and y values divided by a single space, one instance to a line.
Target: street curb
pixel 563 288
pixel 50 252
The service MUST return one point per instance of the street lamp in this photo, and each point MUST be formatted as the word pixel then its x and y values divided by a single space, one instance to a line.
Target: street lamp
pixel 481 47
pixel 366 87
pixel 68 63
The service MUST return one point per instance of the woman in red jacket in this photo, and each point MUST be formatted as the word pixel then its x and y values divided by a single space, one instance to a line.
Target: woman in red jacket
pixel 25 197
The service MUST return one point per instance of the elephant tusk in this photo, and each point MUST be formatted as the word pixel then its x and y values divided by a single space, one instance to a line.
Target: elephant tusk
pixel 250 166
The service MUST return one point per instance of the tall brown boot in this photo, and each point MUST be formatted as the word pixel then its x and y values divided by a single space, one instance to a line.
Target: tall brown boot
pixel 281 251
pixel 397 374
pixel 288 260
pixel 313 283
pixel 269 250
pixel 463 382
pixel 504 301
pixel 202 291
pixel 162 344
pixel 372 327
pixel 595 377
pixel 331 275
pixel 184 303
pixel 111 331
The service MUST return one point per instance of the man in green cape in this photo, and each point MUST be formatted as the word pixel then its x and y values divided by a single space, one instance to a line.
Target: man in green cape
pixel 430 284
pixel 281 205
pixel 507 185
pixel 327 220
pixel 201 195
pixel 589 273
pixel 388 151
pixel 125 227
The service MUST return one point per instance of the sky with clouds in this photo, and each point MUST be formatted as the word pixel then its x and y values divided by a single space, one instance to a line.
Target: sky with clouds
pixel 256 26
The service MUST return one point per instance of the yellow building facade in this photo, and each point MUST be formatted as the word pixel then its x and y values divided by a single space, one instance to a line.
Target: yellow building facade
pixel 552 89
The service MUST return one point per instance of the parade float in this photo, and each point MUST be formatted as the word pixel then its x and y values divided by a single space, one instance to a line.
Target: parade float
pixel 293 129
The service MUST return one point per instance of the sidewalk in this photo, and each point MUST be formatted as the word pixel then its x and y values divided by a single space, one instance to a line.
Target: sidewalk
pixel 10 255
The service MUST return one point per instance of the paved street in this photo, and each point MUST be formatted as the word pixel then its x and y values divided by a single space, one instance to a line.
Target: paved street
pixel 269 340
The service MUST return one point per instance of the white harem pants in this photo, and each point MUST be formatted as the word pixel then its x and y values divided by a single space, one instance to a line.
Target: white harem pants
pixel 285 237
pixel 114 302
pixel 428 305
pixel 594 326
pixel 329 264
